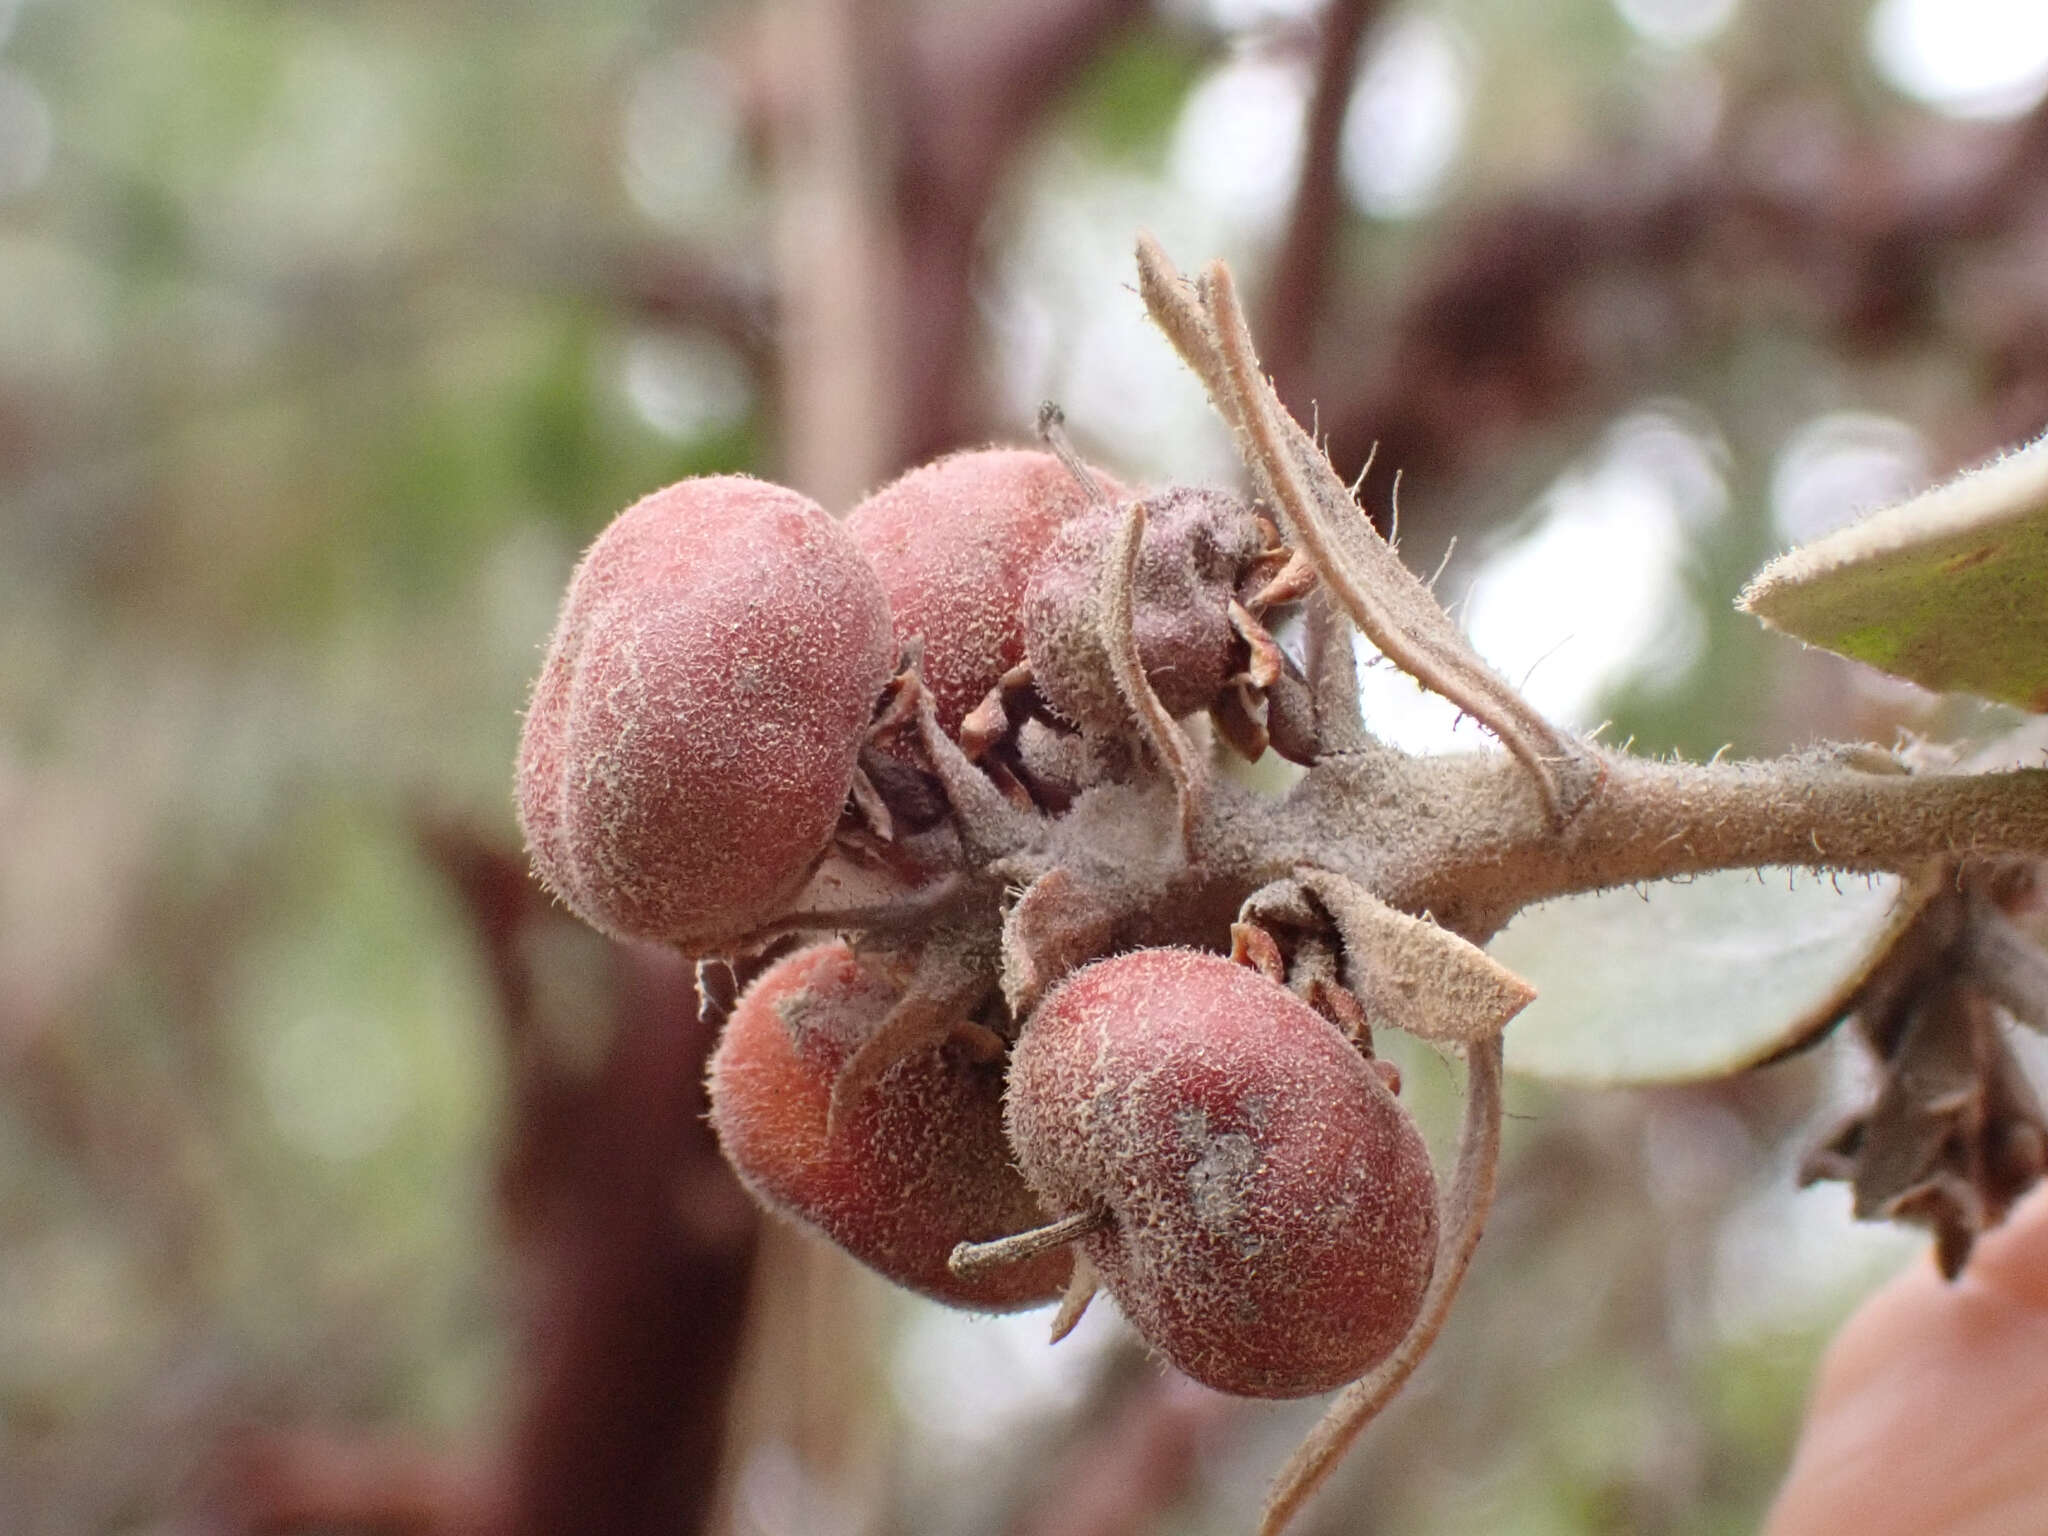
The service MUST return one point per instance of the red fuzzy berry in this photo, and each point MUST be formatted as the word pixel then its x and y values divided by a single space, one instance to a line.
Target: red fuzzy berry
pixel 955 544
pixel 1271 1208
pixel 921 1163
pixel 693 732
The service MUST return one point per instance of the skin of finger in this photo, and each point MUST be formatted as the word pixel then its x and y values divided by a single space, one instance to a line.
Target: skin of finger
pixel 1931 1409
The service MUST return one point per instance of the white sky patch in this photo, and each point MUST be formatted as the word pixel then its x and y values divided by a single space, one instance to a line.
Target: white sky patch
pixel 1590 596
pixel 1837 467
pixel 1238 143
pixel 1069 326
pixel 1406 121
pixel 1676 23
pixel 684 387
pixel 680 131
pixel 967 1387
pixel 1967 58
pixel 1790 1260
pixel 1237 15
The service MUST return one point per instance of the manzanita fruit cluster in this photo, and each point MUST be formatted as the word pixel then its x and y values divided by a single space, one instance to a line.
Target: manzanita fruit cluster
pixel 1236 1173
pixel 1023 997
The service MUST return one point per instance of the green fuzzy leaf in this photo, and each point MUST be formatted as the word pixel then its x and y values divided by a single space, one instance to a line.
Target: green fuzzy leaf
pixel 1949 589
pixel 1698 980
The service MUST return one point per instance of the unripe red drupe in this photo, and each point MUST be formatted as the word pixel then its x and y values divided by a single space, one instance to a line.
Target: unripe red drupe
pixel 694 729
pixel 955 543
pixel 1271 1208
pixel 920 1165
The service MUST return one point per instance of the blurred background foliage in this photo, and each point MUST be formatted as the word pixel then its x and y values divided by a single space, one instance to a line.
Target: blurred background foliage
pixel 329 333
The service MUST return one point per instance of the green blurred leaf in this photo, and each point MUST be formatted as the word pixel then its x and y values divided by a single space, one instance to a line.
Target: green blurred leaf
pixel 1129 98
pixel 1949 589
pixel 1693 981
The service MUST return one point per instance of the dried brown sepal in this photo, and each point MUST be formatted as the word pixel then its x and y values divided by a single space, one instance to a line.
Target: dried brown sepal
pixel 996 718
pixel 1292 583
pixel 1009 785
pixel 1340 1005
pixel 1055 927
pixel 1081 1288
pixel 1240 719
pixel 1465 1206
pixel 1265 660
pixel 1255 948
pixel 871 807
pixel 1413 975
pixel 984 725
pixel 1955 1133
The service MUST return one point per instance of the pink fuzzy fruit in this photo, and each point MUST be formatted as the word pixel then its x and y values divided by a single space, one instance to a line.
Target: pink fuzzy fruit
pixel 919 1166
pixel 1271 1208
pixel 955 544
pixel 694 729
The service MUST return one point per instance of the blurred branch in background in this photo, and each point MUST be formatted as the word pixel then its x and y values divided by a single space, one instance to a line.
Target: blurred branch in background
pixel 1569 299
pixel 631 1245
pixel 1298 287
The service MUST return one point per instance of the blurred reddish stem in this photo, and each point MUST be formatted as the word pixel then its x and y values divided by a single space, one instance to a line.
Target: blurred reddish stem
pixel 1498 336
pixel 1502 334
pixel 1298 289
pixel 632 1245
pixel 289 1480
pixel 976 82
pixel 636 1239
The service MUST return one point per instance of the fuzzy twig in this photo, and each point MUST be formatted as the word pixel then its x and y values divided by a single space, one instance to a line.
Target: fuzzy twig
pixel 971 1260
pixel 1332 667
pixel 1464 1217
pixel 1474 857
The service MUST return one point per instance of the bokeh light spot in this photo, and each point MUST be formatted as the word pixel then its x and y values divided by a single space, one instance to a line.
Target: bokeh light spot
pixel 1967 58
pixel 1406 122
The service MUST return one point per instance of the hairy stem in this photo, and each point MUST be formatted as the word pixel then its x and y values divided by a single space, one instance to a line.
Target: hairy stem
pixel 1471 846
pixel 971 1260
